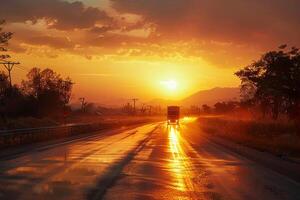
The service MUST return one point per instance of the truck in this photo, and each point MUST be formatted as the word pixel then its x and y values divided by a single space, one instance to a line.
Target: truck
pixel 173 115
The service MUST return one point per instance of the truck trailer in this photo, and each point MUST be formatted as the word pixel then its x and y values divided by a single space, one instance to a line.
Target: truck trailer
pixel 173 115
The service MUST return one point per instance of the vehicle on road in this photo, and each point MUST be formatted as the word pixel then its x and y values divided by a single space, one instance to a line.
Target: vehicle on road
pixel 173 115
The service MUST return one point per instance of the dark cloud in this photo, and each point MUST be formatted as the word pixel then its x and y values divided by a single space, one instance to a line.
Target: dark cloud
pixel 120 26
pixel 260 21
pixel 102 29
pixel 51 41
pixel 222 31
pixel 38 38
pixel 133 26
pixel 59 14
pixel 113 41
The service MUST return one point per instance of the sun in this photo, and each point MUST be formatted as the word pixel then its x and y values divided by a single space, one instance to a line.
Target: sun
pixel 170 85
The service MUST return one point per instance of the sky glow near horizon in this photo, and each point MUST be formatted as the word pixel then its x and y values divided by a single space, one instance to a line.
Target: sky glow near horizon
pixel 116 49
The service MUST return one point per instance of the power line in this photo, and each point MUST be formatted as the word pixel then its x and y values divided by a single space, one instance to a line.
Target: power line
pixel 9 67
pixel 24 68
pixel 19 67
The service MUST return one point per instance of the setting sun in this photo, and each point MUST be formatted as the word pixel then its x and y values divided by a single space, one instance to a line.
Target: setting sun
pixel 144 93
pixel 170 85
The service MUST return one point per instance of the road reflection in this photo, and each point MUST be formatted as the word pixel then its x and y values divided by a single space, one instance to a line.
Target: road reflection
pixel 68 170
pixel 188 119
pixel 178 157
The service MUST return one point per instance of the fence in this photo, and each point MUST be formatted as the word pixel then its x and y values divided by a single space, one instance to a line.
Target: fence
pixel 31 135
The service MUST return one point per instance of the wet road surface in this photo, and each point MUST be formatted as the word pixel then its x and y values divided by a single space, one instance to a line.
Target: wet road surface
pixel 153 161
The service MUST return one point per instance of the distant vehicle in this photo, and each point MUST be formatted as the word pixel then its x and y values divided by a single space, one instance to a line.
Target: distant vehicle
pixel 173 115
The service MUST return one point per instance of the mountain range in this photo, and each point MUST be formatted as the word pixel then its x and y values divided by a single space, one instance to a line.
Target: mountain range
pixel 209 97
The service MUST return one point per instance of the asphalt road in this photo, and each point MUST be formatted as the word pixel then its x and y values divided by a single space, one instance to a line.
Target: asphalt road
pixel 148 162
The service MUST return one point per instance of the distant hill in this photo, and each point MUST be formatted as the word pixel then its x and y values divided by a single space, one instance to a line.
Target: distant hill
pixel 163 102
pixel 211 96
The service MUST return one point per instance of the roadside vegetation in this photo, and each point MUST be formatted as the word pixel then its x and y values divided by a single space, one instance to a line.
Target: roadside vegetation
pixel 272 83
pixel 277 137
pixel 43 99
pixel 42 95
pixel 268 115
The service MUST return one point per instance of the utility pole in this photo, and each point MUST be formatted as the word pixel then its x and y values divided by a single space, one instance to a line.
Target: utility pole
pixel 83 103
pixel 9 67
pixel 134 101
pixel 150 109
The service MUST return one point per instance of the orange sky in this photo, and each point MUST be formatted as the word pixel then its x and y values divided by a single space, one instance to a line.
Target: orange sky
pixel 119 49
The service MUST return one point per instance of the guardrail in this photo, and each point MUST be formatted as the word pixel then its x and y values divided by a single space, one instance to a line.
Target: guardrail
pixel 31 135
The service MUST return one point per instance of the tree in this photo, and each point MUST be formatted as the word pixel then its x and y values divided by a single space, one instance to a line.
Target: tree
pixel 4 85
pixel 293 91
pixel 225 107
pixel 273 82
pixel 206 109
pixel 194 109
pixel 12 101
pixel 65 89
pixel 52 93
pixel 4 38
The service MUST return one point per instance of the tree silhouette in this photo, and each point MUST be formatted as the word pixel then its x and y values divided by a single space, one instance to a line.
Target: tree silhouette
pixel 52 93
pixel 4 38
pixel 273 82
pixel 225 107
pixel 206 109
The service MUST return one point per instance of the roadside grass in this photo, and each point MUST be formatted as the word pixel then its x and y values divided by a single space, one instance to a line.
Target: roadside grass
pixel 277 137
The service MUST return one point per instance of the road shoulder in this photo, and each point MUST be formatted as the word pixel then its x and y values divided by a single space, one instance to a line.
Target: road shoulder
pixel 285 167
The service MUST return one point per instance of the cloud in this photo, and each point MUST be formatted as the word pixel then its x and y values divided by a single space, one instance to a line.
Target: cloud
pixel 112 41
pixel 59 14
pixel 51 41
pixel 16 48
pixel 220 32
pixel 97 75
pixel 258 21
pixel 102 29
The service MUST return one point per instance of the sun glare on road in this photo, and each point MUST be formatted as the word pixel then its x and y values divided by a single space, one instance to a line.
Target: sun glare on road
pixel 188 119
pixel 179 163
pixel 177 160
